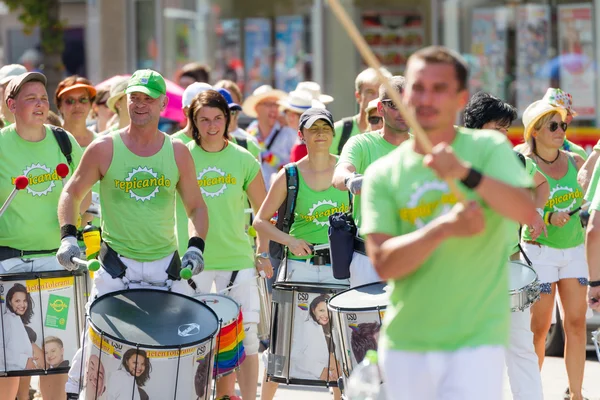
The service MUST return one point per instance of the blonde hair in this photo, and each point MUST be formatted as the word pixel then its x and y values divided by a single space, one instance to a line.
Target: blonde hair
pixel 369 76
pixel 529 145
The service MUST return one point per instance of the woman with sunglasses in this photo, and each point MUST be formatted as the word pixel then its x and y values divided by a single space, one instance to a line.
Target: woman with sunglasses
pixel 558 257
pixel 73 98
pixel 101 113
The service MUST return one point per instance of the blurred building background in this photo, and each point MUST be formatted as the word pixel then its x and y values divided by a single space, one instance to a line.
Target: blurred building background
pixel 516 48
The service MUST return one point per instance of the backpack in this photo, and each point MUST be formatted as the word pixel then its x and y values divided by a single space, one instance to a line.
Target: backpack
pixel 285 214
pixel 346 132
pixel 64 143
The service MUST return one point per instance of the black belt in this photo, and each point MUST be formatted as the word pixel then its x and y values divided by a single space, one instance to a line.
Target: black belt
pixel 359 246
pixel 8 253
pixel 321 257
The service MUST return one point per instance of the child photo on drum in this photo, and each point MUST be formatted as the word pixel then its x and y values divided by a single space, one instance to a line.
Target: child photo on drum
pixel 54 352
pixel 135 364
pixel 312 346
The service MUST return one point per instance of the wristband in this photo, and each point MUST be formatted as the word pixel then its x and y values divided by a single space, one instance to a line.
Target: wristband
pixel 68 230
pixel 550 218
pixel 547 218
pixel 473 179
pixel 594 283
pixel 196 242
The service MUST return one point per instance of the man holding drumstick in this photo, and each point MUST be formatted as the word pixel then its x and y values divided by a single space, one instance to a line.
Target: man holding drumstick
pixel 445 330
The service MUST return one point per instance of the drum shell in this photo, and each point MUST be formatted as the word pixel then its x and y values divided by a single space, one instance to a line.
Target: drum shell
pixel 524 286
pixel 55 313
pixel 264 324
pixel 285 303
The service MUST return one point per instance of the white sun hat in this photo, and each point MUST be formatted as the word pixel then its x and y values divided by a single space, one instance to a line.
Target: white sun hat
pixel 315 90
pixel 299 101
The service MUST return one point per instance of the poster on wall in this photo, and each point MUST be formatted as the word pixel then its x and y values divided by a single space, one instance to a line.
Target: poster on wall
pixel 393 35
pixel 533 54
pixel 258 53
pixel 228 63
pixel 575 63
pixel 291 58
pixel 488 50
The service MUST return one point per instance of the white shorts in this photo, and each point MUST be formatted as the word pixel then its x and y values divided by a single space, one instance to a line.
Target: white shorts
pixel 302 271
pixel 552 265
pixel 37 264
pixel 362 271
pixel 465 374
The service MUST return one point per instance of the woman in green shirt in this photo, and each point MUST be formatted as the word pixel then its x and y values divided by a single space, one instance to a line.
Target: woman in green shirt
pixel 558 257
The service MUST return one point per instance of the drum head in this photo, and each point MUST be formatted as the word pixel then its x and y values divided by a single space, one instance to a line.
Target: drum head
pixel 153 318
pixel 520 275
pixel 364 297
pixel 225 307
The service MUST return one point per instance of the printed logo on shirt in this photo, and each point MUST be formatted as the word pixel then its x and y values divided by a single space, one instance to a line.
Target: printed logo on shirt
pixel 565 197
pixel 319 213
pixel 142 183
pixel 430 200
pixel 213 181
pixel 41 179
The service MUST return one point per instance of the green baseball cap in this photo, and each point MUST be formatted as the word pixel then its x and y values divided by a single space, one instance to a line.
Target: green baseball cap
pixel 148 82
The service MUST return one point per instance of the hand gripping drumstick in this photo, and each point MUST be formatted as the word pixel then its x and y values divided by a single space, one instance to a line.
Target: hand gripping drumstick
pixel 584 207
pixel 91 265
pixel 21 183
pixel 372 62
pixel 62 170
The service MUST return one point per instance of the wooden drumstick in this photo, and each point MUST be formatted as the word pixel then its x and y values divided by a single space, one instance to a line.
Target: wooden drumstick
pixel 372 62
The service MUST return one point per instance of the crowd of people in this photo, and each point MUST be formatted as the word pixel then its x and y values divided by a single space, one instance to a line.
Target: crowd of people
pixel 168 202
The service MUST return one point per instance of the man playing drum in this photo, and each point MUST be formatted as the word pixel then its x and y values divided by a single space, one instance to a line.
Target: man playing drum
pixel 360 152
pixel 139 169
pixel 447 324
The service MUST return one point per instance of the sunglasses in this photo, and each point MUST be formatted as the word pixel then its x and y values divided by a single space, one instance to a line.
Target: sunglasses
pixel 374 120
pixel 82 100
pixel 553 126
pixel 389 104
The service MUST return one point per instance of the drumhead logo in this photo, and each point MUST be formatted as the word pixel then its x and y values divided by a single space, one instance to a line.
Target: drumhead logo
pixel 142 183
pixel 319 213
pixel 41 179
pixel 213 181
pixel 430 200
pixel 188 330
pixel 561 195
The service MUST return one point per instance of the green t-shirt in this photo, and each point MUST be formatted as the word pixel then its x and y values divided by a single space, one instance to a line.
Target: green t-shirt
pixel 574 148
pixel 31 221
pixel 312 211
pixel 361 151
pixel 338 128
pixel 253 148
pixel 223 178
pixel 181 223
pixel 589 195
pixel 565 195
pixel 137 197
pixel 459 296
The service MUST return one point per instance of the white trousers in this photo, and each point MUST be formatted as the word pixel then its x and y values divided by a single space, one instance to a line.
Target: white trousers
pixel 465 374
pixel 521 359
pixel 362 271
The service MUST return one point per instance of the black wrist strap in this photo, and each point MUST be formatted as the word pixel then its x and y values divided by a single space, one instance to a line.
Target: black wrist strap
pixel 473 179
pixel 68 230
pixel 594 283
pixel 196 242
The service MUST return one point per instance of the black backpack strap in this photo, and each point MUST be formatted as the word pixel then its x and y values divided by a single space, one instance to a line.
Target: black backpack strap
pixel 346 132
pixel 277 132
pixel 242 142
pixel 64 143
pixel 291 178
pixel 521 157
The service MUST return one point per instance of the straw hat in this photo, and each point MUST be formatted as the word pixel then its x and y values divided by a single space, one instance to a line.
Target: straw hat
pixel 537 110
pixel 299 101
pixel 315 90
pixel 117 91
pixel 559 98
pixel 261 93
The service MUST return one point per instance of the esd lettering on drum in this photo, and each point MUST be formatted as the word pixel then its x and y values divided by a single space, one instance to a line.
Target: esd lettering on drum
pixel 302 296
pixel 351 317
pixel 117 346
pixel 201 350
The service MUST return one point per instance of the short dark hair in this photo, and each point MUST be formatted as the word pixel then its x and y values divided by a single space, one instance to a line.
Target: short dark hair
pixel 443 55
pixel 208 98
pixel 197 71
pixel 484 107
pixel 363 339
pixel 397 82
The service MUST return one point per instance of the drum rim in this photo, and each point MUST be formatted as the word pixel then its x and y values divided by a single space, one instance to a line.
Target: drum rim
pixel 309 286
pixel 222 322
pixel 27 276
pixel 92 325
pixel 338 308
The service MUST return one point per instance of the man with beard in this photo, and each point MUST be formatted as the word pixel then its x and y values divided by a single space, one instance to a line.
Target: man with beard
pixel 360 152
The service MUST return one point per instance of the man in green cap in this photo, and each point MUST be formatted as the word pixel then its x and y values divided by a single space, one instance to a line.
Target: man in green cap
pixel 140 169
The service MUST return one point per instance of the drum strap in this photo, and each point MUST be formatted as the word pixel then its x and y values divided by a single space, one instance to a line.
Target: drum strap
pixel 234 275
pixel 8 253
pixel 111 262
pixel 527 260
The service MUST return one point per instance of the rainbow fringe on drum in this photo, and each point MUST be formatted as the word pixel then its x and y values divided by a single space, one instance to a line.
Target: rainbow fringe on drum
pixel 230 352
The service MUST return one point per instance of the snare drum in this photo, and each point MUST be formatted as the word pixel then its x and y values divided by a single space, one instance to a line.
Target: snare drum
pixel 40 310
pixel 357 315
pixel 145 343
pixel 230 346
pixel 524 286
pixel 301 349
pixel 264 323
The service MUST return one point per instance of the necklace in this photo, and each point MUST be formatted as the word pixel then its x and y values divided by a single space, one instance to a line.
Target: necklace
pixel 546 161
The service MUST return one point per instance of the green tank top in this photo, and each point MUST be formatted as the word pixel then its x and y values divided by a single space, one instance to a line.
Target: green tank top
pixel 311 215
pixel 137 197
pixel 565 195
